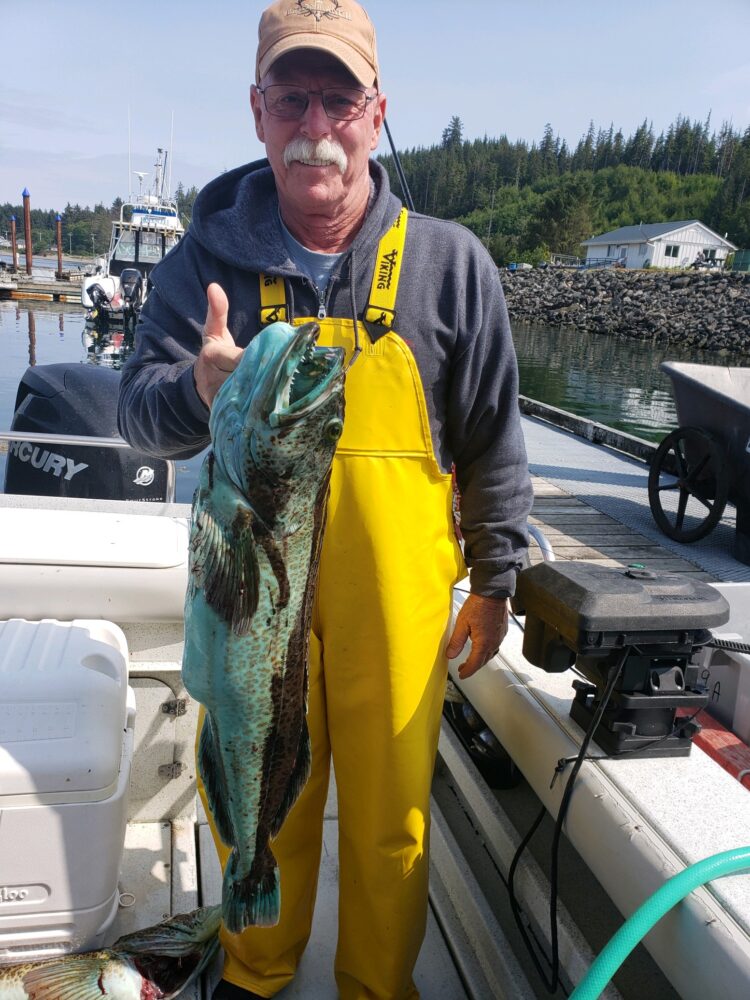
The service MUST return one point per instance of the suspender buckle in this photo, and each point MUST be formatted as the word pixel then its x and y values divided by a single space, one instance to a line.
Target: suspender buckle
pixel 382 319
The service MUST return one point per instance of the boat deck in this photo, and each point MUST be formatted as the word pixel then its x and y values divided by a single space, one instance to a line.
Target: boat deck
pixel 591 503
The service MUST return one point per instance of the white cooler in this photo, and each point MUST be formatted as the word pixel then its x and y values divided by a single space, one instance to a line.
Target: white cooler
pixel 66 746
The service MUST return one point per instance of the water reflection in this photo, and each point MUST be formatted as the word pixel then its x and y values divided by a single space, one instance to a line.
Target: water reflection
pixel 32 338
pixel 605 378
pixel 109 347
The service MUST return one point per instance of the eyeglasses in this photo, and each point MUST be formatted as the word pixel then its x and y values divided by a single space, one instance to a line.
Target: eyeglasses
pixel 343 104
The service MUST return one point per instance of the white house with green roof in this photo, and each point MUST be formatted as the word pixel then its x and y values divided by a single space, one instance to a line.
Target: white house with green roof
pixel 659 244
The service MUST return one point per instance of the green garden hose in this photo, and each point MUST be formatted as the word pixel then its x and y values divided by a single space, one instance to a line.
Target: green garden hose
pixel 649 913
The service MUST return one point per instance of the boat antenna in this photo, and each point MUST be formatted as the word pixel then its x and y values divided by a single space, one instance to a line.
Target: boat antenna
pixel 399 170
pixel 159 173
pixel 171 150
pixel 130 165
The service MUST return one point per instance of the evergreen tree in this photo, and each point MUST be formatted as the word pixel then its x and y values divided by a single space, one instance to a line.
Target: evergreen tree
pixel 453 134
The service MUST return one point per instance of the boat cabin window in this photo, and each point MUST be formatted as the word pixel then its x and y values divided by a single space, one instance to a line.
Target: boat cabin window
pixel 125 247
pixel 150 247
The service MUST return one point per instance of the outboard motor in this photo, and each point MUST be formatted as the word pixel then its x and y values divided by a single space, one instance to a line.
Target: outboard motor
pixel 100 305
pixel 78 400
pixel 131 292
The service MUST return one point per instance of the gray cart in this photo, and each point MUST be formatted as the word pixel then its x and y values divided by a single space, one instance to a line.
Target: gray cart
pixel 705 462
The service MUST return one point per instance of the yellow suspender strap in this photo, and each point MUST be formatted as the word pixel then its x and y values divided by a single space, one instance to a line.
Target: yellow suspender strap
pixel 272 300
pixel 380 310
pixel 381 306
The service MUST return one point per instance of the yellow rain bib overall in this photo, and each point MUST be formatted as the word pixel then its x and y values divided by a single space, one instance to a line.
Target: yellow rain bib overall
pixel 377 671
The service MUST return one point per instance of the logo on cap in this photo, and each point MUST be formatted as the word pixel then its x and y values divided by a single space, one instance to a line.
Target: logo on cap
pixel 319 9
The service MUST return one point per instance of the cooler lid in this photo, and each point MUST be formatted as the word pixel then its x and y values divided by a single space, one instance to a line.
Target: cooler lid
pixel 63 689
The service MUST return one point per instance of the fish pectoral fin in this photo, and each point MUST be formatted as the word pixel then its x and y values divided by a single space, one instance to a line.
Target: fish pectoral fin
pixel 214 781
pixel 72 979
pixel 224 564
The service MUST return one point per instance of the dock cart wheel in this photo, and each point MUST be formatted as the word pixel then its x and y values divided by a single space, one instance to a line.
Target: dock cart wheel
pixel 688 461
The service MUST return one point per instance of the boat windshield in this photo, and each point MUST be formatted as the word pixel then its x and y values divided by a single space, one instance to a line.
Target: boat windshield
pixel 125 246
pixel 151 246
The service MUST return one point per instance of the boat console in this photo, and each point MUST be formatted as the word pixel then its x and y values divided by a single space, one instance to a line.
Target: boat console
pixel 645 626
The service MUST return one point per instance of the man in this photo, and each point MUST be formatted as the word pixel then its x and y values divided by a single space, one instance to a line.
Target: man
pixel 418 306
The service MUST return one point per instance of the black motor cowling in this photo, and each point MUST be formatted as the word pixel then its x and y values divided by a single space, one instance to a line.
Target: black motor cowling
pixel 80 400
pixel 131 290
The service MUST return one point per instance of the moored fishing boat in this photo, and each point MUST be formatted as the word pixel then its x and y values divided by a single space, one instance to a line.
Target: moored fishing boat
pixel 147 229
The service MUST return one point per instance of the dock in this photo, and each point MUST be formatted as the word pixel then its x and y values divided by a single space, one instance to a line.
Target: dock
pixel 24 287
pixel 578 532
pixel 591 501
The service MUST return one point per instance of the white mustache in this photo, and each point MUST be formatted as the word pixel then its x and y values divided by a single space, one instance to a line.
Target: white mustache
pixel 315 154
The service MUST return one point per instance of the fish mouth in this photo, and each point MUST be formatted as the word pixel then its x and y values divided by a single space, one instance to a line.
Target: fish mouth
pixel 307 376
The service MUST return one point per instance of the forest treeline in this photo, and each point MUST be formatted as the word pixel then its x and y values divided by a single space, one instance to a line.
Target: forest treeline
pixel 524 200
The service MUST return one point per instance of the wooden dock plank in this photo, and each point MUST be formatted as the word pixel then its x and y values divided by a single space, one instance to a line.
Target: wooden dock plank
pixel 576 531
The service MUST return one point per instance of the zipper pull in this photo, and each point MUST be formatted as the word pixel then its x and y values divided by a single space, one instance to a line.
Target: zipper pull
pixel 321 305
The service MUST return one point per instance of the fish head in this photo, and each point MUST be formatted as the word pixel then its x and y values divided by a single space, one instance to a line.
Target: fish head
pixel 281 411
pixel 171 955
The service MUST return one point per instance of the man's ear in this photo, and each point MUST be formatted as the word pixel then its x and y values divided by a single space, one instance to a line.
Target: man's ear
pixel 378 116
pixel 256 107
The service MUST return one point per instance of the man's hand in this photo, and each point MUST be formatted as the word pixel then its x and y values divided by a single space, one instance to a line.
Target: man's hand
pixel 485 621
pixel 219 355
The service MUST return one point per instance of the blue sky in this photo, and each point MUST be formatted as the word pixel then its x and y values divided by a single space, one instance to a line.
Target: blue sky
pixel 502 67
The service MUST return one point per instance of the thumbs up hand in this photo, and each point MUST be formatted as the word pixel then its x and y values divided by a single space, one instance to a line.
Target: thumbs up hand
pixel 219 355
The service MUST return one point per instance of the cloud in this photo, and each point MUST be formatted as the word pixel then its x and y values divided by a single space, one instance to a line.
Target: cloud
pixel 33 111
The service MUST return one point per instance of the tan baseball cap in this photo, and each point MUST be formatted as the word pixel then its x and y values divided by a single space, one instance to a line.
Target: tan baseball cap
pixel 339 27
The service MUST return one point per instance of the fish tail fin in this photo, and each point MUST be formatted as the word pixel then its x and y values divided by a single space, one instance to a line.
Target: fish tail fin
pixel 297 779
pixel 214 781
pixel 252 901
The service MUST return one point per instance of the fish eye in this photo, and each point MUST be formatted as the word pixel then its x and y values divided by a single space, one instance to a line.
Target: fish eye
pixel 333 429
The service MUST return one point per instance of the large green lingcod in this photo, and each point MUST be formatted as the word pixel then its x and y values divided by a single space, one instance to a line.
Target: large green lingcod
pixel 156 963
pixel 258 519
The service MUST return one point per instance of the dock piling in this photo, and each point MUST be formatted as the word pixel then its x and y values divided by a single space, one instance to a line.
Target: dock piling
pixel 58 227
pixel 13 244
pixel 27 227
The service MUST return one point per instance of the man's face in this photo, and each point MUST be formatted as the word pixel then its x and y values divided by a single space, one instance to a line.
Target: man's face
pixel 318 190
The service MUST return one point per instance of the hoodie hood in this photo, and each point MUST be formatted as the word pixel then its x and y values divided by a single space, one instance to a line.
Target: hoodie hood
pixel 236 218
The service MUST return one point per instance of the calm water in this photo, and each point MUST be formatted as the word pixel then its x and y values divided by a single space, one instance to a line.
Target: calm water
pixel 616 382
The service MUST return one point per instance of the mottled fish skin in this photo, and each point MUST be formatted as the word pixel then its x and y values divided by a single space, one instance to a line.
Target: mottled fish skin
pixel 156 963
pixel 257 525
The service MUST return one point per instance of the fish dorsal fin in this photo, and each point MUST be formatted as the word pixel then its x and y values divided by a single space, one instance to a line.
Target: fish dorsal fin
pixel 73 978
pixel 224 565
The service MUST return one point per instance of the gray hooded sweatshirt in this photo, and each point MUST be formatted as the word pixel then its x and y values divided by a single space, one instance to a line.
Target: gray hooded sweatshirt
pixel 449 309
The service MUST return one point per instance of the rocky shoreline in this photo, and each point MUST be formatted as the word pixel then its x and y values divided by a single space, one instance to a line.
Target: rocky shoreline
pixel 709 310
